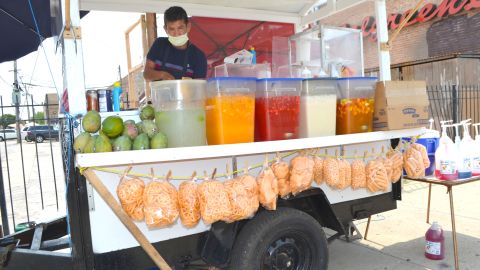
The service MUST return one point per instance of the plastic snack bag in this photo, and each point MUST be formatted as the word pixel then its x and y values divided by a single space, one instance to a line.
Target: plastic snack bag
pixel 130 194
pixel 160 200
pixel 214 202
pixel 267 187
pixel 189 203
pixel 301 173
pixel 281 171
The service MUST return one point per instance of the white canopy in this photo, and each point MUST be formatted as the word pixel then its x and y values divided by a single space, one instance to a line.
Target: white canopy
pixel 292 11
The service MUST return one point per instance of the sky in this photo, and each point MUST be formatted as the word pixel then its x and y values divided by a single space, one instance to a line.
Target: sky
pixel 104 50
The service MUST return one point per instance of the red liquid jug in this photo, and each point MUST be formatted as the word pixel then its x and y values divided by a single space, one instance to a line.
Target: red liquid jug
pixel 435 242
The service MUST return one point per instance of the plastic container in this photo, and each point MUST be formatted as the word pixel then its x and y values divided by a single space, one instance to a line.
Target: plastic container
pixel 467 152
pixel 116 92
pixel 277 109
pixel 318 107
pixel 230 110
pixel 435 242
pixel 355 104
pixel 446 157
pixel 180 111
pixel 476 159
pixel 254 55
pixel 243 70
pixel 431 170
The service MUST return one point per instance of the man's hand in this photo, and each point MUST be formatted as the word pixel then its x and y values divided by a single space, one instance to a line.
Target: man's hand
pixel 150 74
pixel 165 75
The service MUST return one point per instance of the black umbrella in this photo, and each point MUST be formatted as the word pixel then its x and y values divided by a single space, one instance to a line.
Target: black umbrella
pixel 18 30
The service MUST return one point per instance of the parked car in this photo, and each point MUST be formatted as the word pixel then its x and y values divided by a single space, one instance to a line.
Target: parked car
pixel 23 133
pixel 7 134
pixel 40 133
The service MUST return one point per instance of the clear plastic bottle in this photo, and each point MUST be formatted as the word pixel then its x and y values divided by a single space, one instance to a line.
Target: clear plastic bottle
pixel 476 157
pixel 467 152
pixel 446 157
pixel 254 55
pixel 117 90
pixel 435 242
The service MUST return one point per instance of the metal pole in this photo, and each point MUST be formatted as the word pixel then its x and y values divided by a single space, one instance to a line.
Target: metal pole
pixel 454 230
pixel 17 101
pixel 3 203
pixel 368 227
pixel 382 40
pixel 428 204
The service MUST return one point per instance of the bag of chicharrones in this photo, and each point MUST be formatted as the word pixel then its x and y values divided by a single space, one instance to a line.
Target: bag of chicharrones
pixel 214 202
pixel 160 200
pixel 397 164
pixel 281 170
pixel 377 179
pixel 301 172
pixel 267 187
pixel 243 195
pixel 318 176
pixel 331 172
pixel 359 177
pixel 130 194
pixel 189 203
pixel 251 186
pixel 345 170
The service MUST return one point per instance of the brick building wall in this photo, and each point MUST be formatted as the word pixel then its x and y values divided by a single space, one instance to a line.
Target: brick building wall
pixel 458 33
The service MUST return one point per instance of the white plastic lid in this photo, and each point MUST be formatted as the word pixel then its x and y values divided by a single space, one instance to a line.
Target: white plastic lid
pixel 436 226
pixel 430 133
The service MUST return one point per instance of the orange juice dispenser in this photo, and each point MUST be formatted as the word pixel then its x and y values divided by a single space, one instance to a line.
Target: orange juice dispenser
pixel 355 104
pixel 230 110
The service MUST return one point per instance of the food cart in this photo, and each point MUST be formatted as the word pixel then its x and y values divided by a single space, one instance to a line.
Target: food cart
pixel 97 239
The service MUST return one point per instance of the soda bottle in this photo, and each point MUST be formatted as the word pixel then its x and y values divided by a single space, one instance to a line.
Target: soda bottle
pixel 435 242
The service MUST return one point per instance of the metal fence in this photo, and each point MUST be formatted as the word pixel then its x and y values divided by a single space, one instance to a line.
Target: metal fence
pixel 454 102
pixel 32 181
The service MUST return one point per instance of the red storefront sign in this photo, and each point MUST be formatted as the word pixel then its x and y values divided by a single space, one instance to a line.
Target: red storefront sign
pixel 424 14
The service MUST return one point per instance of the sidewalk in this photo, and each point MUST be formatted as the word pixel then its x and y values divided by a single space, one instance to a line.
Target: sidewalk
pixel 396 238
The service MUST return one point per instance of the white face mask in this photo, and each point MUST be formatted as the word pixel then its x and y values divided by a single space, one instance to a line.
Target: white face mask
pixel 178 41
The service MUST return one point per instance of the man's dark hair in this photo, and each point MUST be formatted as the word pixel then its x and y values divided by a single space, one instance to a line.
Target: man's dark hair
pixel 175 13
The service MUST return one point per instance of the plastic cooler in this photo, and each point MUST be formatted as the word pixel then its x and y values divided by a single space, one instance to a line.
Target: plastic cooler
pixel 277 107
pixel 355 104
pixel 180 111
pixel 243 70
pixel 318 107
pixel 230 110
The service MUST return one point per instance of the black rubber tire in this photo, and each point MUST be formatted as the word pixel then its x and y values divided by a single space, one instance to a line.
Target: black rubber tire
pixel 267 228
pixel 39 138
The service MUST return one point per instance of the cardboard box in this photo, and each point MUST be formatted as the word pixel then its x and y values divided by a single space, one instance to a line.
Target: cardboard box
pixel 400 105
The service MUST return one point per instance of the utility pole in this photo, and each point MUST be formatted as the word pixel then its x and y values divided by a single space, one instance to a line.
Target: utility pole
pixel 16 97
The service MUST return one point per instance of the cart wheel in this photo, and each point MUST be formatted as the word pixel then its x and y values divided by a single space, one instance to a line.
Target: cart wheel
pixel 283 239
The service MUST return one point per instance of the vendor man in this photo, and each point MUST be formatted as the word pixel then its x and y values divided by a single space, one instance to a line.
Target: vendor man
pixel 175 58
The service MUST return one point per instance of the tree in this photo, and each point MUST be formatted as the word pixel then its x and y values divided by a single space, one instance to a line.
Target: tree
pixel 7 119
pixel 39 118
